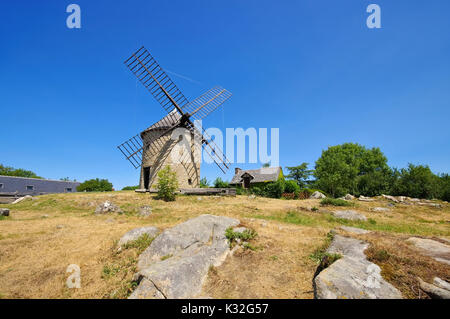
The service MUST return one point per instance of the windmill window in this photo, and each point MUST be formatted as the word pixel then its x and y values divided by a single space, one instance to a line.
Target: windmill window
pixel 30 188
pixel 190 181
pixel 1 185
pixel 68 190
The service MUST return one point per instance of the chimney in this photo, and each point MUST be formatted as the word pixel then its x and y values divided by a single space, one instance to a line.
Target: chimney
pixel 236 170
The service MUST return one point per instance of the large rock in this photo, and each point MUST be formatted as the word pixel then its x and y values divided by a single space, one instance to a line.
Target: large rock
pixel 349 214
pixel 433 291
pixel 391 198
pixel 365 199
pixel 4 212
pixel 317 195
pixel 349 197
pixel 21 199
pixel 437 250
pixel 107 207
pixel 352 276
pixel 134 234
pixel 177 261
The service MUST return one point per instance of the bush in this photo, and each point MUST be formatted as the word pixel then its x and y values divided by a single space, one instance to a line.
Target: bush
pixel 219 183
pixel 130 188
pixel 275 189
pixel 291 187
pixel 167 184
pixel 335 202
pixel 258 191
pixel 95 185
pixel 204 183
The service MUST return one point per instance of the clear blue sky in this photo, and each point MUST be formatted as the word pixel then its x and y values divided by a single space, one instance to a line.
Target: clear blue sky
pixel 311 68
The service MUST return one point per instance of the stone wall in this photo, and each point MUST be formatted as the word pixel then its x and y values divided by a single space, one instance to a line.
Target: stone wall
pixel 181 155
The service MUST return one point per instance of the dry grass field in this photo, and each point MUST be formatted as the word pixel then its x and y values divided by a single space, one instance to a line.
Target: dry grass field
pixel 45 234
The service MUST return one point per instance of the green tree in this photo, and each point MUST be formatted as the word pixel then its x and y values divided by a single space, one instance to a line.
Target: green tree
pixel 167 184
pixel 18 172
pixel 204 183
pixel 95 185
pixel 266 165
pixel 219 183
pixel 300 174
pixel 418 181
pixel 348 168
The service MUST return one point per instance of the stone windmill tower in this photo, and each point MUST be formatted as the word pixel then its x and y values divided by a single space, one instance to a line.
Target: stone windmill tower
pixel 174 140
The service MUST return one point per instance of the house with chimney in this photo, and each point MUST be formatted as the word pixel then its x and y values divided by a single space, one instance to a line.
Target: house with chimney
pixel 256 177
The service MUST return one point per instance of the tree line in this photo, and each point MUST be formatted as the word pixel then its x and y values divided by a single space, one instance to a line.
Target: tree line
pixel 351 168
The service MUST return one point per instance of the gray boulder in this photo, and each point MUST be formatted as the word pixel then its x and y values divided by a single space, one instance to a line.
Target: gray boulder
pixel 352 276
pixel 4 212
pixel 317 195
pixel 437 250
pixel 391 198
pixel 349 197
pixel 177 261
pixel 365 199
pixel 107 207
pixel 134 234
pixel 349 214
pixel 433 291
pixel 21 199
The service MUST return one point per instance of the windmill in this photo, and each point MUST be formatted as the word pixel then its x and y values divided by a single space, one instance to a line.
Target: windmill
pixel 150 149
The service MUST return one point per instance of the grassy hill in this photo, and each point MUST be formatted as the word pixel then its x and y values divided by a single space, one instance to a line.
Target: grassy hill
pixel 46 234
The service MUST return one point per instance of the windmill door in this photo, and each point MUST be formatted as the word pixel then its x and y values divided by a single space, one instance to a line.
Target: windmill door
pixel 146 177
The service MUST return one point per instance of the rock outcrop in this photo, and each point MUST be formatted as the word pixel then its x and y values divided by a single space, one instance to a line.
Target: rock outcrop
pixel 134 234
pixel 435 291
pixel 21 199
pixel 352 276
pixel 107 207
pixel 437 250
pixel 349 214
pixel 317 195
pixel 177 261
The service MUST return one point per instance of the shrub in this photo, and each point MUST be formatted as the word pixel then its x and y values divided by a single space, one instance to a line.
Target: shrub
pixel 204 183
pixel 416 181
pixel 219 183
pixel 130 188
pixel 335 202
pixel 95 185
pixel 167 184
pixel 275 189
pixel 291 187
pixel 246 235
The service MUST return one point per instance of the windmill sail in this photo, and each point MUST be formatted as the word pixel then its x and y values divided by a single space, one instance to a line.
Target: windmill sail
pixel 155 80
pixel 207 103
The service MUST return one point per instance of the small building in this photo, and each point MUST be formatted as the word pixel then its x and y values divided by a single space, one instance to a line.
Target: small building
pixel 21 186
pixel 256 177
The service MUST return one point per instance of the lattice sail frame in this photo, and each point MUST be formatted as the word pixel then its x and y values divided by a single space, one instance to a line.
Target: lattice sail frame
pixel 179 110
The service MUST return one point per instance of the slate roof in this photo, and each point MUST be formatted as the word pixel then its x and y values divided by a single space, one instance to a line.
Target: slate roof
pixel 264 174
